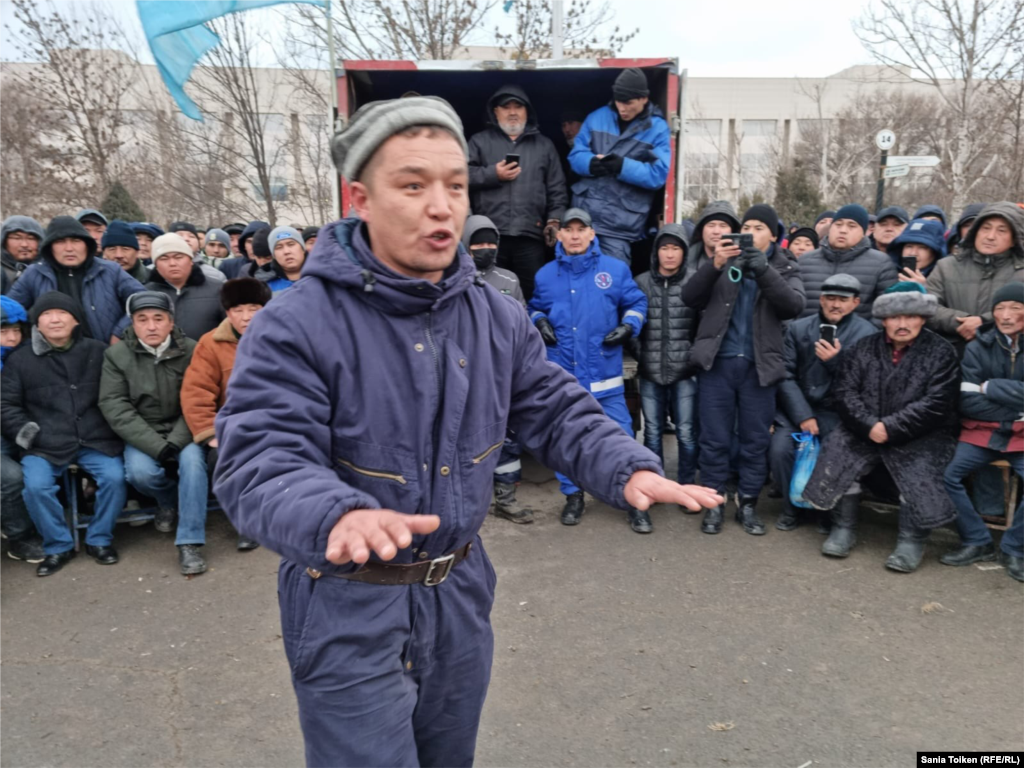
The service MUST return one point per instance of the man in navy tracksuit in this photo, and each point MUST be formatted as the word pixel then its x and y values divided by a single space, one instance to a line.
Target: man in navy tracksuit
pixel 360 437
pixel 621 154
pixel 586 306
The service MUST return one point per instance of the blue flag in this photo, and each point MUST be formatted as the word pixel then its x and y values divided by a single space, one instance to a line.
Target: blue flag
pixel 178 39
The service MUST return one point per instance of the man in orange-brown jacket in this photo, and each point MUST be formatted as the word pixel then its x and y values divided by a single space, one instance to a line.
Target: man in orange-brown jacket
pixel 205 387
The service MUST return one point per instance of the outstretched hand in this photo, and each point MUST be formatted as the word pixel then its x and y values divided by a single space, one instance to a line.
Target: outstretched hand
pixel 646 488
pixel 383 531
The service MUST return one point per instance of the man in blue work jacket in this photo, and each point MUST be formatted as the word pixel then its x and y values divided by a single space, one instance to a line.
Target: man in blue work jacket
pixel 359 440
pixel 587 306
pixel 621 154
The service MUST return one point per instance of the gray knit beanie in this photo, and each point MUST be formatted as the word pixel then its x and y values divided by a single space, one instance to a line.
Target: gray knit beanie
pixel 378 121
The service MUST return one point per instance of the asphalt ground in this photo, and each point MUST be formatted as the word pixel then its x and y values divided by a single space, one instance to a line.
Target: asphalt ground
pixel 611 648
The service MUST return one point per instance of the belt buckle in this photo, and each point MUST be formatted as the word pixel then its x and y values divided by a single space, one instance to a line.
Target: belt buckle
pixel 446 563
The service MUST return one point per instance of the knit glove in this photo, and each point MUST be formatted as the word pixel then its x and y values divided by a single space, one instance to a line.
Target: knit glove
pixel 753 262
pixel 26 436
pixel 547 331
pixel 619 335
pixel 613 163
pixel 597 167
pixel 168 461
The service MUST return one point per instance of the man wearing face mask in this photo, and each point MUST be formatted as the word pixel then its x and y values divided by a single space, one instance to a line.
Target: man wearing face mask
pixel 481 239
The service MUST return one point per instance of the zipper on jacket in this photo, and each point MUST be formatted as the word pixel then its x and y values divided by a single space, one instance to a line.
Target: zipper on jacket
pixel 488 452
pixel 435 430
pixel 373 472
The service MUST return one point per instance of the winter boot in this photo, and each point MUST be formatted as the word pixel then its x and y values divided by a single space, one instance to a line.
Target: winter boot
pixel 824 523
pixel 505 504
pixel 843 536
pixel 712 522
pixel 640 521
pixel 573 509
pixel 789 520
pixel 746 515
pixel 909 545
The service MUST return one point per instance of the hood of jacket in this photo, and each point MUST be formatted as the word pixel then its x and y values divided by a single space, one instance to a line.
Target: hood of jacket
pixel 923 231
pixel 933 210
pixel 519 95
pixel 676 230
pixel 1009 211
pixel 717 208
pixel 20 224
pixel 343 258
pixel 250 229
pixel 473 225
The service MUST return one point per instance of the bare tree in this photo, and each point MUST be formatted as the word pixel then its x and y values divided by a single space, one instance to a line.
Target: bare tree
pixel 585 31
pixel 82 87
pixel 964 49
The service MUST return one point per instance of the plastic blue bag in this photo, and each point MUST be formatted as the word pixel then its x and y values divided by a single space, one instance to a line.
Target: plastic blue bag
pixel 807 449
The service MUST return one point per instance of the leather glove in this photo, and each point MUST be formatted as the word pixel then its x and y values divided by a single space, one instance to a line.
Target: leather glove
pixel 619 335
pixel 27 435
pixel 597 167
pixel 753 262
pixel 168 461
pixel 547 331
pixel 551 233
pixel 613 163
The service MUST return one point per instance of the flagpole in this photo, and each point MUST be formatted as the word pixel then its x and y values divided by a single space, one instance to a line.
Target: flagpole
pixel 557 9
pixel 335 118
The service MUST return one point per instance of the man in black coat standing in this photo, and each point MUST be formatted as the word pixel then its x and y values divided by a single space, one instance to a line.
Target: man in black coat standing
pixel 896 394
pixel 525 199
pixel 745 297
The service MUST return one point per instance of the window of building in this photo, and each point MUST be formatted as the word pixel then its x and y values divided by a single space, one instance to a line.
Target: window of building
pixel 759 127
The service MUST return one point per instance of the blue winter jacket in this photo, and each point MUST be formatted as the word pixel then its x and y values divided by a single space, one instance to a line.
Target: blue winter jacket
pixel 105 289
pixel 585 297
pixel 359 388
pixel 619 205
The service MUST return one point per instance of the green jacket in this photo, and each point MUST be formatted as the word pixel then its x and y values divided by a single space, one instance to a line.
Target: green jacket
pixel 140 395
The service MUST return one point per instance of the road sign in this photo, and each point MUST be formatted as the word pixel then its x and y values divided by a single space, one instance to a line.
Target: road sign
pixel 885 139
pixel 894 171
pixel 914 161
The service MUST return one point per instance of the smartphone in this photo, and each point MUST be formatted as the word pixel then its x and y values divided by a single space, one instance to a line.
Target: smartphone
pixel 741 239
pixel 828 333
pixel 509 159
pixel 908 262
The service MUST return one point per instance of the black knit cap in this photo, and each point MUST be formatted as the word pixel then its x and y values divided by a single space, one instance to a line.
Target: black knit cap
pixel 808 232
pixel 309 232
pixel 765 214
pixel 56 300
pixel 235 228
pixel 1009 292
pixel 630 84
pixel 484 235
pixel 261 244
pixel 183 226
pixel 244 290
pixel 825 215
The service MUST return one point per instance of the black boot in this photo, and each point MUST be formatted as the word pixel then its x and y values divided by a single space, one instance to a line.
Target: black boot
pixel 789 520
pixel 970 553
pixel 573 509
pixel 824 523
pixel 505 504
pixel 843 536
pixel 245 544
pixel 53 563
pixel 909 545
pixel 1014 565
pixel 746 515
pixel 712 522
pixel 640 521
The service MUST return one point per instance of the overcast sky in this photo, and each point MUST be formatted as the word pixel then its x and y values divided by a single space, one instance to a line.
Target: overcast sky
pixel 712 38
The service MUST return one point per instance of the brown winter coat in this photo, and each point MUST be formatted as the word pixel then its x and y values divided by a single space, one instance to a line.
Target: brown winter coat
pixel 206 381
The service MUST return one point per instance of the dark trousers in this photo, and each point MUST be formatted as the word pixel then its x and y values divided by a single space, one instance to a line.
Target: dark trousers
pixel 730 388
pixel 524 256
pixel 967 460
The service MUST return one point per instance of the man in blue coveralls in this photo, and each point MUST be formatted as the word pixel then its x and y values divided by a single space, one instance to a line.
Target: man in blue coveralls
pixel 359 440
pixel 587 306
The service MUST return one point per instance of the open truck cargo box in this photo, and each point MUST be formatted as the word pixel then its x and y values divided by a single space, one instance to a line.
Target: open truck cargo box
pixel 551 85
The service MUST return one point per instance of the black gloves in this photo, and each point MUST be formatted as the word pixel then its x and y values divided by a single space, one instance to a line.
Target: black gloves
pixel 613 164
pixel 597 167
pixel 168 461
pixel 753 262
pixel 619 335
pixel 547 331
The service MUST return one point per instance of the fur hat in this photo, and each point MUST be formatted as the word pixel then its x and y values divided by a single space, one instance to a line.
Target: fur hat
pixel 244 290
pixel 905 299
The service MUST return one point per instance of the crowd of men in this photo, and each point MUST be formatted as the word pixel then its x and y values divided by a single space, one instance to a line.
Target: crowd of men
pixel 894 340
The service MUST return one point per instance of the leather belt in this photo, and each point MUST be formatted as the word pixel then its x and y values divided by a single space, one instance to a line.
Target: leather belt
pixel 430 573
